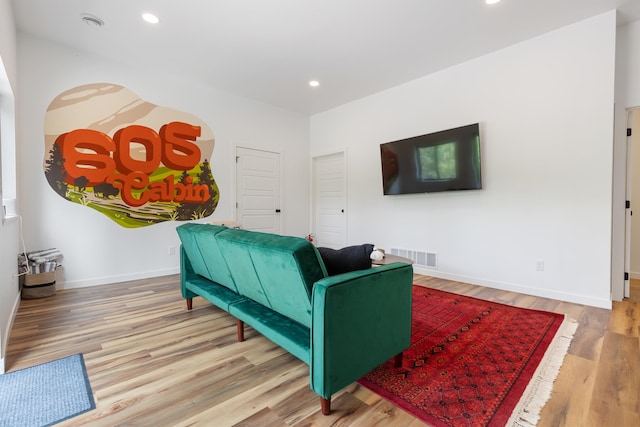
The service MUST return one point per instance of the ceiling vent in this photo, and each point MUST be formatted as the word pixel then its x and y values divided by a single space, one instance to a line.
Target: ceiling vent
pixel 91 20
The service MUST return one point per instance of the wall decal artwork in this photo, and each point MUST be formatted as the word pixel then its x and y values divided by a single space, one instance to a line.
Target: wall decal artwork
pixel 133 161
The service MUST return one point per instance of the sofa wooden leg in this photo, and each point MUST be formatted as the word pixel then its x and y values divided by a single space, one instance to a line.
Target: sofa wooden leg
pixel 189 303
pixel 240 327
pixel 325 405
pixel 397 361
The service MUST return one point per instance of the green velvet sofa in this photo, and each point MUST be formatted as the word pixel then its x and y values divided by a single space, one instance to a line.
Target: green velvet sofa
pixel 342 326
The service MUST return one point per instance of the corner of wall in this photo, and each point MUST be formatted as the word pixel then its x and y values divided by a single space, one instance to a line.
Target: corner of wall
pixel 9 290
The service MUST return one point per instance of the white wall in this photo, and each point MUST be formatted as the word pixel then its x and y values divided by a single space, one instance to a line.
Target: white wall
pixel 97 250
pixel 545 108
pixel 9 246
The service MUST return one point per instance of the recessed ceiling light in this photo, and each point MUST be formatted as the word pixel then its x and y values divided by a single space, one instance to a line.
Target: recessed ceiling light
pixel 491 1
pixel 150 18
pixel 314 83
pixel 91 20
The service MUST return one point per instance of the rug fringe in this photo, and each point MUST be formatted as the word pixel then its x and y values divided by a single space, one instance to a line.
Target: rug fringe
pixel 538 392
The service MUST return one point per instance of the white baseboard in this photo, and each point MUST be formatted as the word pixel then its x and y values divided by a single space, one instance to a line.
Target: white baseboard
pixel 96 281
pixel 543 293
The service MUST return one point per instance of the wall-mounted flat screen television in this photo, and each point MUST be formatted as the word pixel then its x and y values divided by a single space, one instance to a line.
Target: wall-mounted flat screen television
pixel 448 160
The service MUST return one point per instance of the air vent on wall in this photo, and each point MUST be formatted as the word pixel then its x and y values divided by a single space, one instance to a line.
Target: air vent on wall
pixel 420 258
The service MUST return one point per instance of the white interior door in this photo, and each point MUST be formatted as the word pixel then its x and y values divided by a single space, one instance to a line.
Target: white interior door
pixel 632 223
pixel 329 201
pixel 628 211
pixel 258 190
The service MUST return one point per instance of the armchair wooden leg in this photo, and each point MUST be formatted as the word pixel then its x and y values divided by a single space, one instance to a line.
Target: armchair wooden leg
pixel 325 405
pixel 240 327
pixel 397 361
pixel 189 303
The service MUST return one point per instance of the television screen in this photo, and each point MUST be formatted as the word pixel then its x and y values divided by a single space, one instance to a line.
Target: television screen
pixel 448 160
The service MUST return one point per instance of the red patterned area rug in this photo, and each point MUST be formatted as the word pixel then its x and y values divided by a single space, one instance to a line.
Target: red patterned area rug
pixel 474 362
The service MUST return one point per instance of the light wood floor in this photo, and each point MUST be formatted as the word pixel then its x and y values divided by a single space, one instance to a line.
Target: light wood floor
pixel 152 363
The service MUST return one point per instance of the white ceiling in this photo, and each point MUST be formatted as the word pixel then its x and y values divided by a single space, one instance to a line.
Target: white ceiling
pixel 269 49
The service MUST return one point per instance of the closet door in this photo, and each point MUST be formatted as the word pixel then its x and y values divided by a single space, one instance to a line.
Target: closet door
pixel 258 190
pixel 329 201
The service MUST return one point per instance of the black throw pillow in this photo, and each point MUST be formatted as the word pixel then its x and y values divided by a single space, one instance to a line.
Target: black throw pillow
pixel 338 261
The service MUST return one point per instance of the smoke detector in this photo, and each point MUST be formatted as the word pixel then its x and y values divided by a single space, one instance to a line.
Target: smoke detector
pixel 91 20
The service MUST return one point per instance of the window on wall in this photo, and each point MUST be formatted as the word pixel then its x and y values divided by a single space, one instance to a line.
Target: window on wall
pixel 7 147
